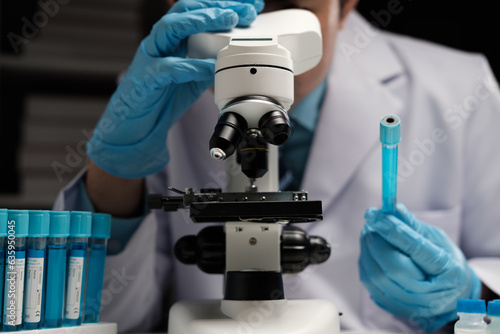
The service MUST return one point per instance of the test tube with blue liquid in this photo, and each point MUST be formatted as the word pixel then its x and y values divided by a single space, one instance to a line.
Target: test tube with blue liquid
pixel 56 268
pixel 101 229
pixel 17 231
pixel 3 243
pixel 390 136
pixel 35 268
pixel 80 231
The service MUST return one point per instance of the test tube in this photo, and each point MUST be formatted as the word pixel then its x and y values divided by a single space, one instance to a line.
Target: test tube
pixel 101 229
pixel 56 268
pixel 80 230
pixel 17 231
pixel 35 268
pixel 3 242
pixel 390 136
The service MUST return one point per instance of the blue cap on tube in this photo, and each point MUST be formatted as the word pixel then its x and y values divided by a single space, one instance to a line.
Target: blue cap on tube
pixel 3 222
pixel 494 308
pixel 59 224
pixel 390 130
pixel 471 306
pixel 39 223
pixel 19 220
pixel 101 225
pixel 80 224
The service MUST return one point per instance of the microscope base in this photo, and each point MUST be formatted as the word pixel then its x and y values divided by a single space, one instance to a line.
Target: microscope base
pixel 302 317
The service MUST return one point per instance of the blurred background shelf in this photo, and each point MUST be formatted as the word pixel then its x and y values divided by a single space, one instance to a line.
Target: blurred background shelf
pixel 54 87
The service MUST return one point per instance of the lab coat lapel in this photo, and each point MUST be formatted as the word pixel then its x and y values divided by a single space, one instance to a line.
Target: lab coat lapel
pixel 358 95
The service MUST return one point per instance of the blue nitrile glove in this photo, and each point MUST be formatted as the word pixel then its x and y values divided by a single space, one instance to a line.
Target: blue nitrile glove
pixel 413 270
pixel 160 85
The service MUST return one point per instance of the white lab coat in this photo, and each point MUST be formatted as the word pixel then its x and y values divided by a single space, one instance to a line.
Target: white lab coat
pixel 449 176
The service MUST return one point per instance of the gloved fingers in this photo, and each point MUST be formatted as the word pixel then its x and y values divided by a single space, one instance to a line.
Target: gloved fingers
pixel 433 307
pixel 181 70
pixel 187 5
pixel 371 214
pixel 380 298
pixel 432 259
pixel 370 271
pixel 398 266
pixel 144 88
pixel 180 105
pixel 435 234
pixel 172 29
pixel 404 290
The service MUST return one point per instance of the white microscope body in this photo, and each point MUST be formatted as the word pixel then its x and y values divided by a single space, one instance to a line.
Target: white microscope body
pixel 254 89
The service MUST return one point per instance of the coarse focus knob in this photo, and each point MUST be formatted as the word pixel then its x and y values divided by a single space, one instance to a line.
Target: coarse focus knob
pixel 207 249
pixel 298 250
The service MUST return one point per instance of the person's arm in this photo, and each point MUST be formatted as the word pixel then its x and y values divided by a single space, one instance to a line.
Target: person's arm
pixel 114 195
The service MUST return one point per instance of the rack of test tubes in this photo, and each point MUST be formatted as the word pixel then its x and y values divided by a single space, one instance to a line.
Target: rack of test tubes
pixel 52 270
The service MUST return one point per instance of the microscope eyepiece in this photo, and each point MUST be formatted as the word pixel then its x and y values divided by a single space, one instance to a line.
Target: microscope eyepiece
pixel 275 127
pixel 227 135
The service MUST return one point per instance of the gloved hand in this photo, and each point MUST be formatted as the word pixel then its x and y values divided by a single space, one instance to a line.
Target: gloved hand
pixel 414 270
pixel 160 85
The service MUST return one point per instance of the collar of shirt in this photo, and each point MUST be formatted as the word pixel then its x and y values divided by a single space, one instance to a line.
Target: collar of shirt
pixel 306 112
pixel 295 152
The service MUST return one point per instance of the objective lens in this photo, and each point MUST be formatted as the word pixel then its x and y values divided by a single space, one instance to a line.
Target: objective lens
pixel 227 135
pixel 275 127
pixel 254 157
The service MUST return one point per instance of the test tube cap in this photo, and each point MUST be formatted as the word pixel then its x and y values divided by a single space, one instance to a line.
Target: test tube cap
pixel 101 225
pixel 21 222
pixel 390 130
pixel 494 308
pixel 471 306
pixel 3 222
pixel 39 223
pixel 59 224
pixel 80 224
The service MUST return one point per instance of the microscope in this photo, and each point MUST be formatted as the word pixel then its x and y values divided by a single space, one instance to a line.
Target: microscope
pixel 260 240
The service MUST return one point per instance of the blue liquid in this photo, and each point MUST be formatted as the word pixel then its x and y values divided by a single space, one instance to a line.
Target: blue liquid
pixel 389 178
pixel 76 276
pixel 97 259
pixel 12 275
pixel 56 275
pixel 36 255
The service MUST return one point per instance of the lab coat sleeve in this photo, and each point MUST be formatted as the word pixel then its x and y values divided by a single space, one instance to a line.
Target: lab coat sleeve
pixel 480 238
pixel 132 296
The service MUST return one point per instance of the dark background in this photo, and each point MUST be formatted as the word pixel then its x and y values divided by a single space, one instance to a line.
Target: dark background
pixel 465 25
